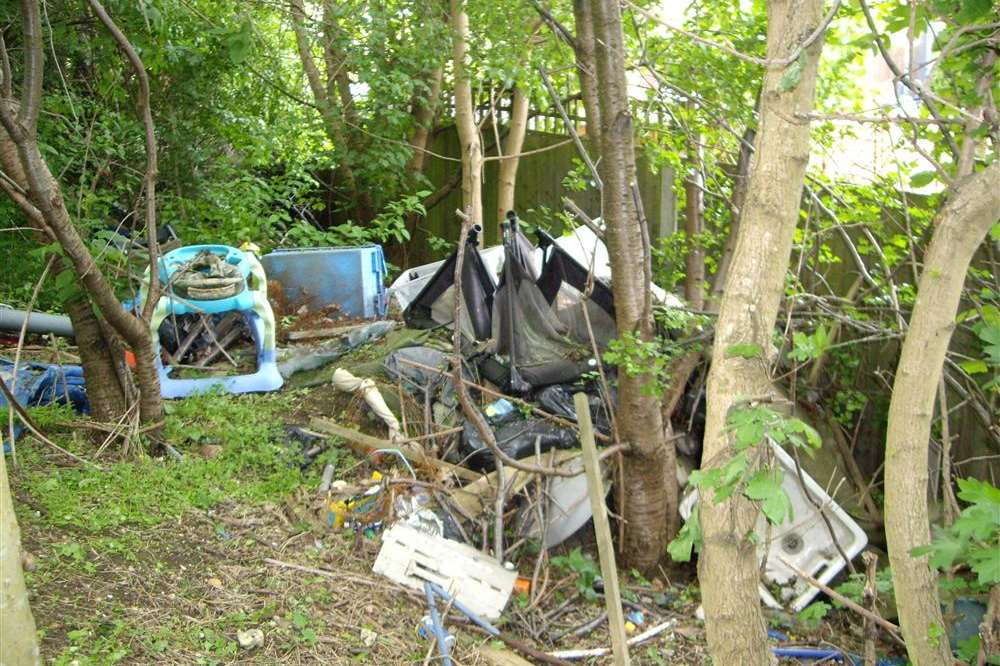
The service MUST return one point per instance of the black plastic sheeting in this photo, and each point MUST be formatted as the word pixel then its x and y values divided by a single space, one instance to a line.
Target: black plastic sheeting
pixel 515 437
pixel 560 267
pixel 434 305
pixel 558 401
pixel 526 329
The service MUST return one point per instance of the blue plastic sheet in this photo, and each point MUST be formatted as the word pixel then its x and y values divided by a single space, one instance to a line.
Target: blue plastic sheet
pixel 43 384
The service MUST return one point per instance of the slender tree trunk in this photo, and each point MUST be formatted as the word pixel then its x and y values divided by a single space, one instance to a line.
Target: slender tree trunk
pixel 339 88
pixel 18 642
pixel 959 229
pixel 104 391
pixel 520 105
pixel 586 69
pixel 727 567
pixel 333 123
pixel 424 111
pixel 694 283
pixel 465 119
pixel 739 196
pixel 638 412
pixel 42 202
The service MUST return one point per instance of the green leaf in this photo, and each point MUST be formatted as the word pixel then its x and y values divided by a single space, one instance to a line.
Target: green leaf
pixel 792 75
pixel 995 232
pixel 975 491
pixel 986 564
pixel 973 10
pixel 922 178
pixel 974 367
pixel 765 487
pixel 814 613
pixel 688 539
pixel 748 350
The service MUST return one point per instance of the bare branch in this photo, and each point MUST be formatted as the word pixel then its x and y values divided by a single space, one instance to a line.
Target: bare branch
pixel 906 81
pixel 7 89
pixel 31 92
pixel 151 166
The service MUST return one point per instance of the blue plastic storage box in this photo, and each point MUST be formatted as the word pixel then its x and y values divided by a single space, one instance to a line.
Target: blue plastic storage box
pixel 351 277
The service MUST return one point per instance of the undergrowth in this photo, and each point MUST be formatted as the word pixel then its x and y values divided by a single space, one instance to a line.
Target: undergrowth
pixel 252 464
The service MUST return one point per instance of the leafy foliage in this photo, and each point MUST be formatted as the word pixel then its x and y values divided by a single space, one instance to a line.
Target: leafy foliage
pixel 974 538
pixel 585 568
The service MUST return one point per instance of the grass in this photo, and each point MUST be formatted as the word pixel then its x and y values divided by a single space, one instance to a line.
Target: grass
pixel 253 464
pixel 102 539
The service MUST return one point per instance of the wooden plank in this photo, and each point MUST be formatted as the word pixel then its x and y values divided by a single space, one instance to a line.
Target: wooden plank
pixel 365 444
pixel 605 547
pixel 323 332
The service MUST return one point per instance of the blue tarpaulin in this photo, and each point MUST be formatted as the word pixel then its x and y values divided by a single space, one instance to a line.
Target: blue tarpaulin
pixel 43 384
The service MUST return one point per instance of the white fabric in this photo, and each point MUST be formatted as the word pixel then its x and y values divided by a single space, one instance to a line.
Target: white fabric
pixel 345 381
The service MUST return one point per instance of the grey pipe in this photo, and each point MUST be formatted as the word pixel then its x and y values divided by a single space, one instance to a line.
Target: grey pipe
pixel 11 321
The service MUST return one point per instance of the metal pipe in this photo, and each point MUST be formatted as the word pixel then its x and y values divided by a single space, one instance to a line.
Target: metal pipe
pixel 11 321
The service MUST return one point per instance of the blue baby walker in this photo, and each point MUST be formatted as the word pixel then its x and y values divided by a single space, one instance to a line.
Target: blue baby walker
pixel 214 279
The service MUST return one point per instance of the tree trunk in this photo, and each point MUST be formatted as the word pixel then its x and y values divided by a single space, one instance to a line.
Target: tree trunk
pixel 104 390
pixel 960 228
pixel 339 88
pixel 465 119
pixel 740 180
pixel 727 567
pixel 18 642
pixel 326 104
pixel 41 200
pixel 694 283
pixel 424 111
pixel 645 472
pixel 586 69
pixel 520 105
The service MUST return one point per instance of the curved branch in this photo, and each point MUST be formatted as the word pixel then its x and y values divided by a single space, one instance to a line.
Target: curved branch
pixel 151 164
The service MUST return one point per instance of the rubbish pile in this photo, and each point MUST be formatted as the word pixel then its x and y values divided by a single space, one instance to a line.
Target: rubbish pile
pixel 455 521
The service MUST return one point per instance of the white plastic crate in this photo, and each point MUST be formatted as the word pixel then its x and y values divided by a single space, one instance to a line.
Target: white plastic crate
pixel 803 540
pixel 409 557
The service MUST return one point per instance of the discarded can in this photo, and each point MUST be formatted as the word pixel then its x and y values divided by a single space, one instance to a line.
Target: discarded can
pixel 498 409
pixel 636 617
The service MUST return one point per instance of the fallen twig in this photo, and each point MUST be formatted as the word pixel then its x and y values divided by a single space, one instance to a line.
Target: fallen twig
pixel 600 652
pixel 890 628
pixel 30 425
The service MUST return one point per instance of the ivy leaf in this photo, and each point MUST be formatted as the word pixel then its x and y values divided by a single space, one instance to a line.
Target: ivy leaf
pixel 792 75
pixel 995 232
pixel 748 350
pixel 765 487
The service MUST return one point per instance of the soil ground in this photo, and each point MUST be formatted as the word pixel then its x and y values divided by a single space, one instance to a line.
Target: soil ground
pixel 159 561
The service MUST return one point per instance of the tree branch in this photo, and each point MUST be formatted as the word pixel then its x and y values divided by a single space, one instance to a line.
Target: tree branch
pixel 142 101
pixel 7 89
pixel 906 81
pixel 31 93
